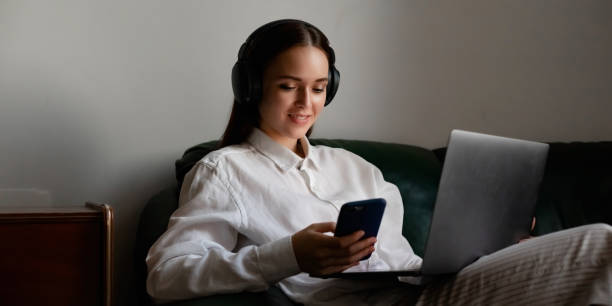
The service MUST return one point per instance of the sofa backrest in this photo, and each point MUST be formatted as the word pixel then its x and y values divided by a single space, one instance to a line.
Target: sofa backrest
pixel 414 170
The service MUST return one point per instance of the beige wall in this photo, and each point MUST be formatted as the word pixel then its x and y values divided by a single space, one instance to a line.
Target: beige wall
pixel 97 98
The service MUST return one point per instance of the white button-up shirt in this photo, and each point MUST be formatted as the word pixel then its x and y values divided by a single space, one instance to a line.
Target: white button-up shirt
pixel 239 206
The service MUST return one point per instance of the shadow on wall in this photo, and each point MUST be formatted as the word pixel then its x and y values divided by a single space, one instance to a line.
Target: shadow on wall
pixel 49 142
pixel 57 150
pixel 137 181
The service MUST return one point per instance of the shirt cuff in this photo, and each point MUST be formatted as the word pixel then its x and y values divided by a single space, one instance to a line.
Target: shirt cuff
pixel 277 260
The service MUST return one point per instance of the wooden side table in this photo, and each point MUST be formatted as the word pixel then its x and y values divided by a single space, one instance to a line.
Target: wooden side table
pixel 56 256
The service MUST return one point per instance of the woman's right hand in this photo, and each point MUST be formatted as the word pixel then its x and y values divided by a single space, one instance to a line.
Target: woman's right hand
pixel 320 254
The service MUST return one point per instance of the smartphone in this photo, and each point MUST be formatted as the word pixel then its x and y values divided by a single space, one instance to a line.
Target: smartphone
pixel 360 215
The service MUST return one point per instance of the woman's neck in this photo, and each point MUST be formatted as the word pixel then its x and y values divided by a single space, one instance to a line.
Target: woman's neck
pixel 295 146
pixel 299 150
pixel 290 143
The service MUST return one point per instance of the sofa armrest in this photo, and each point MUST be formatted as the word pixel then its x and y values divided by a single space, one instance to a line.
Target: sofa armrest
pixel 153 223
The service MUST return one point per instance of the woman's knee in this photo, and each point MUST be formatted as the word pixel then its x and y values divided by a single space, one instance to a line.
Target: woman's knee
pixel 599 229
pixel 598 237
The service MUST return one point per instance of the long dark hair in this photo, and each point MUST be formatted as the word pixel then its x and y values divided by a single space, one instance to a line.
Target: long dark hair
pixel 265 47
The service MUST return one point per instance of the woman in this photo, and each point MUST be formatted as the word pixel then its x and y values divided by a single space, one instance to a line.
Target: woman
pixel 259 211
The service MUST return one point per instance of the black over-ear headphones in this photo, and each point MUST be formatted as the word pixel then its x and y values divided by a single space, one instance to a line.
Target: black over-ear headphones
pixel 247 83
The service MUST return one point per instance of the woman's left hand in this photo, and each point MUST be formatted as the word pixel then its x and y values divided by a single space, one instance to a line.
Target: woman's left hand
pixel 533 222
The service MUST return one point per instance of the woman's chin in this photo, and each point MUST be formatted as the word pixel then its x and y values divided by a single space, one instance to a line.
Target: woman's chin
pixel 299 133
pixel 297 136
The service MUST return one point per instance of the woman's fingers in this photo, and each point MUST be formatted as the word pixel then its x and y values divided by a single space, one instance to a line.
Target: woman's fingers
pixel 533 223
pixel 351 249
pixel 360 245
pixel 341 242
pixel 324 227
pixel 344 246
pixel 352 258
pixel 318 253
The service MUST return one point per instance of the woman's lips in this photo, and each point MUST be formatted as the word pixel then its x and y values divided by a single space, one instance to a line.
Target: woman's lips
pixel 299 118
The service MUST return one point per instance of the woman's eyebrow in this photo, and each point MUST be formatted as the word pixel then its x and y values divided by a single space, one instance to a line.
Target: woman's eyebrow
pixel 298 79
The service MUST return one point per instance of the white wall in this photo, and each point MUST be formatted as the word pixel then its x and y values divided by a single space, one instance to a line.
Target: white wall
pixel 98 98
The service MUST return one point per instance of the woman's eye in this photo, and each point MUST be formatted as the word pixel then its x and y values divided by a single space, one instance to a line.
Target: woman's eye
pixel 318 90
pixel 286 87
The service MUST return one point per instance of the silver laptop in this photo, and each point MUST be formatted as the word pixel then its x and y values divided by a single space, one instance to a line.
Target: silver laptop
pixel 485 202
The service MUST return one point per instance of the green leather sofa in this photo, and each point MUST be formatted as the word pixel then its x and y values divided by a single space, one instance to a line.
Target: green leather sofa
pixel 576 190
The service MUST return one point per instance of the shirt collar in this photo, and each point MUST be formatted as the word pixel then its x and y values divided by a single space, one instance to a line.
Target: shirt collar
pixel 279 154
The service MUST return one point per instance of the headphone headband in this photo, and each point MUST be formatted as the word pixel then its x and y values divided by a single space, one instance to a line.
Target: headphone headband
pixel 248 44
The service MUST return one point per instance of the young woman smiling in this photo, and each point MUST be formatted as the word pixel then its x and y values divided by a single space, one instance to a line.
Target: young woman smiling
pixel 258 211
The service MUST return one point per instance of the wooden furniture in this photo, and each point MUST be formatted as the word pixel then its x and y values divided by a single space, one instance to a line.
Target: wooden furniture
pixel 56 256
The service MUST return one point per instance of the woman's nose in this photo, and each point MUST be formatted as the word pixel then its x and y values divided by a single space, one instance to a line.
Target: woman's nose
pixel 304 97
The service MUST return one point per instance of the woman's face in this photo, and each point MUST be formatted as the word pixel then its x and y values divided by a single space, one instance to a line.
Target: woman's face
pixel 293 93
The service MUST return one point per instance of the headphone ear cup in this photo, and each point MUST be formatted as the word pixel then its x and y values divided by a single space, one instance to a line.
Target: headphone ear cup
pixel 333 82
pixel 239 81
pixel 245 84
